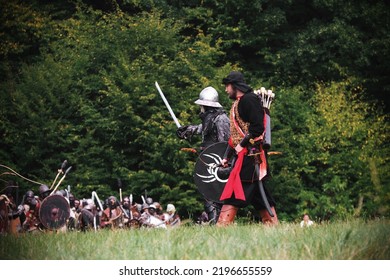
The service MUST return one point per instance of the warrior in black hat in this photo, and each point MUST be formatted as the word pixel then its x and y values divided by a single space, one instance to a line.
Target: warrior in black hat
pixel 245 185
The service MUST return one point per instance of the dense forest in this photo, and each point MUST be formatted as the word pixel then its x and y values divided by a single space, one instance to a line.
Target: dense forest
pixel 78 83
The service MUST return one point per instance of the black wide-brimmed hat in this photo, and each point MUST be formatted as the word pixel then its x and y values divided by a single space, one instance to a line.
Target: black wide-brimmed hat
pixel 237 79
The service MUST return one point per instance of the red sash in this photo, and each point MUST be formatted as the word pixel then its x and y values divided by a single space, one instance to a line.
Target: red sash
pixel 233 184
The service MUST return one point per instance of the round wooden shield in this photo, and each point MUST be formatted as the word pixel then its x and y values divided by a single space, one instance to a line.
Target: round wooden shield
pixel 54 212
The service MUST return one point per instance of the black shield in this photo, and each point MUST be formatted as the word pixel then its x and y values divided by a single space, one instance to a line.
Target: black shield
pixel 208 176
pixel 54 212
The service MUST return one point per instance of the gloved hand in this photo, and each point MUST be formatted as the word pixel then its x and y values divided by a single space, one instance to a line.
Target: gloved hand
pixel 186 131
pixel 20 209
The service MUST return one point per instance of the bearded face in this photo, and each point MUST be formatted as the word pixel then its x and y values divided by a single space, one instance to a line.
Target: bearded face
pixel 112 203
pixel 231 91
pixel 126 203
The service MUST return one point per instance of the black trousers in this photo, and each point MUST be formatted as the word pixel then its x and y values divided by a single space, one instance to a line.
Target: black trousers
pixel 252 196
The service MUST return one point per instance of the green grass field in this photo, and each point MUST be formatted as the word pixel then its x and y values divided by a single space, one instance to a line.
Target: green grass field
pixel 344 240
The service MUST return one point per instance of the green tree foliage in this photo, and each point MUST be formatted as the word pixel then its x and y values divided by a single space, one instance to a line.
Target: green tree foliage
pixel 348 152
pixel 300 42
pixel 351 138
pixel 334 156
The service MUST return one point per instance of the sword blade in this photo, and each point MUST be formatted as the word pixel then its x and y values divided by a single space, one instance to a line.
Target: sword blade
pixel 168 106
pixel 262 193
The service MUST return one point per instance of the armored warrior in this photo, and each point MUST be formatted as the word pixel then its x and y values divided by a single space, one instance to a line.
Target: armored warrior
pixel 215 123
pixel 245 184
pixel 171 218
pixel 126 209
pixel 87 216
pixel 159 209
pixel 73 218
pixel 31 205
pixel 145 216
pixel 44 192
pixel 149 219
pixel 112 215
pixel 214 128
pixel 11 215
pixel 153 211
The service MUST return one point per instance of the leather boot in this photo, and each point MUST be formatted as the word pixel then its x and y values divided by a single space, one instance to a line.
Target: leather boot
pixel 267 219
pixel 226 217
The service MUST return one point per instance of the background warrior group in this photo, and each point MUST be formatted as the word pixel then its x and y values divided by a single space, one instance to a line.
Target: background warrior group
pixel 62 211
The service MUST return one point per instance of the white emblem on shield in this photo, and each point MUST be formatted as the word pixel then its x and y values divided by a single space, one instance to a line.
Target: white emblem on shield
pixel 212 169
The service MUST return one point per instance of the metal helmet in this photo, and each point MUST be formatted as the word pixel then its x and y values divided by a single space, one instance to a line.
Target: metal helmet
pixel 30 200
pixel 149 200
pixel 29 194
pixel 152 208
pixel 171 208
pixel 157 204
pixel 159 209
pixel 58 193
pixel 208 97
pixel 44 191
pixel 43 188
